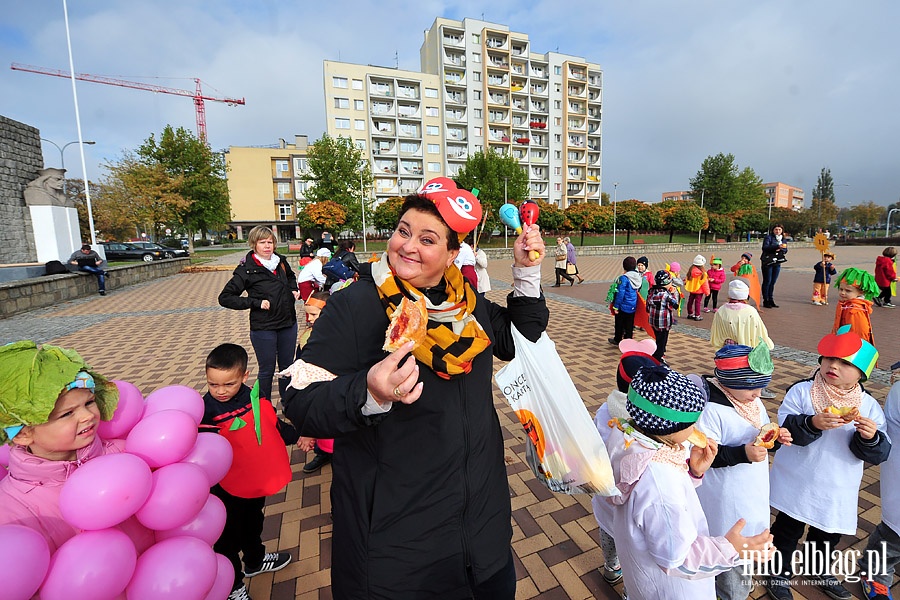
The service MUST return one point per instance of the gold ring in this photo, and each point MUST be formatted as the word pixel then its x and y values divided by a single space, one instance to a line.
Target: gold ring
pixel 398 393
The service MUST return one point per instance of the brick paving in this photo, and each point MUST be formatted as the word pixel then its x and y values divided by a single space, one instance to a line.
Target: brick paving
pixel 159 333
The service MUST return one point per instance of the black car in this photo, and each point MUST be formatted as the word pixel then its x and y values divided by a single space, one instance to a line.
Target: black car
pixel 167 252
pixel 128 251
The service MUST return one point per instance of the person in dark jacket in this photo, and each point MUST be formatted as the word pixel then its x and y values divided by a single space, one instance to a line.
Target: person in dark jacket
pixel 307 248
pixel 271 288
pixel 420 498
pixel 774 249
pixel 346 254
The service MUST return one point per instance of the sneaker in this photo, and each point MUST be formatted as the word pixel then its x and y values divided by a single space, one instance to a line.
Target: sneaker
pixel 698 318
pixel 318 461
pixel 272 561
pixel 888 305
pixel 772 304
pixel 706 310
pixel 779 588
pixel 102 292
pixel 612 341
pixel 767 394
pixel 874 590
pixel 239 594
pixel 817 303
pixel 833 588
pixel 612 576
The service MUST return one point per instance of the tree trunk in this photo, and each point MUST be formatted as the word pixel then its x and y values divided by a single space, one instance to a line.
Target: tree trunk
pixel 582 238
pixel 671 234
pixel 627 236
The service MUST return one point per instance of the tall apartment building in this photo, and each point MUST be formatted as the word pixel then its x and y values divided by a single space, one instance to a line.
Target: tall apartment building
pixel 782 195
pixel 481 87
pixel 264 186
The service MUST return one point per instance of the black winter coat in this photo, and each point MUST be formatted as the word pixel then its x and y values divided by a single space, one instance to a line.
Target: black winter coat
pixel 261 284
pixel 419 496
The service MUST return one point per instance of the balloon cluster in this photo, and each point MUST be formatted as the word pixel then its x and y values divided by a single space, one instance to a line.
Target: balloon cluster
pixel 162 480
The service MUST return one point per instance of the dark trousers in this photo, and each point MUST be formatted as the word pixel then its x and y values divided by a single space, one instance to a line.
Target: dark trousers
pixel 100 273
pixel 624 326
pixel 885 294
pixel 562 273
pixel 501 586
pixel 714 294
pixel 662 338
pixel 787 531
pixel 280 344
pixel 770 276
pixel 242 533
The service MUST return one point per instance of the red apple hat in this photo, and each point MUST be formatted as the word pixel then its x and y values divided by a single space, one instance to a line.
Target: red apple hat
pixel 848 346
pixel 459 208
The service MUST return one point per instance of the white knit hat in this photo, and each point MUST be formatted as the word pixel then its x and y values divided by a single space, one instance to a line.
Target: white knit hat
pixel 699 260
pixel 738 290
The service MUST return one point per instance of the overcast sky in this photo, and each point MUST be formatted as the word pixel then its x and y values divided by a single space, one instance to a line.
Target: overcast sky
pixel 787 87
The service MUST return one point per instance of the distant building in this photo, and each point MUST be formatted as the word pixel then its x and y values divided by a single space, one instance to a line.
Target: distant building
pixel 782 195
pixel 681 195
pixel 264 186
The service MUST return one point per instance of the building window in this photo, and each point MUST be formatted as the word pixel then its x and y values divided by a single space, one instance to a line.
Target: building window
pixel 283 190
pixel 558 187
pixel 476 131
pixel 431 93
pixel 434 148
pixel 557 104
pixel 342 103
pixel 476 57
pixel 476 38
pixel 477 94
pixel 359 105
pixel 300 165
pixel 339 82
pixel 409 147
pixel 557 138
pixel 284 212
pixel 360 144
pixel 476 76
pixel 432 111
pixel 432 130
pixel 557 121
pixel 558 155
pixel 300 188
pixel 434 167
pixel 476 112
pixel 357 84
pixel 359 125
pixel 281 168
pixel 557 170
pixel 557 70
pixel 558 87
pixel 342 123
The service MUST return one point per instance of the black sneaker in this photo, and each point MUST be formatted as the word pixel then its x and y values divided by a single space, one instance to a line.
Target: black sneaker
pixel 272 561
pixel 612 341
pixel 239 594
pixel 832 588
pixel 779 588
pixel 102 292
pixel 318 461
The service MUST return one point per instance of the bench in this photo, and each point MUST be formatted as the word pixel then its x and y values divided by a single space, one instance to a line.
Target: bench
pixel 720 241
pixel 294 247
pixel 637 241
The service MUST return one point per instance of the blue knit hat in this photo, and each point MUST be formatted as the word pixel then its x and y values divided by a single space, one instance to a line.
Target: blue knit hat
pixel 662 401
pixel 744 368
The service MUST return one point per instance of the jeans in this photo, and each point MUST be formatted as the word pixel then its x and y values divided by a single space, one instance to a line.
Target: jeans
pixel 270 345
pixel 243 532
pixel 885 573
pixel 100 273
pixel 733 584
pixel 770 276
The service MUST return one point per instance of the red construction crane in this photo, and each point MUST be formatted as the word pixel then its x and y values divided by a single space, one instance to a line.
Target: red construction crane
pixel 199 98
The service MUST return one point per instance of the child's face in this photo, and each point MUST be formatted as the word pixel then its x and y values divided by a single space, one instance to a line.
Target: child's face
pixel 744 396
pixel 744 261
pixel 848 291
pixel 312 313
pixel 225 384
pixel 71 426
pixel 679 437
pixel 641 268
pixel 839 373
pixel 717 266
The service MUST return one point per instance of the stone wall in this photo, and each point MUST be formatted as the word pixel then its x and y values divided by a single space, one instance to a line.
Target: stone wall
pixel 642 249
pixel 20 160
pixel 29 294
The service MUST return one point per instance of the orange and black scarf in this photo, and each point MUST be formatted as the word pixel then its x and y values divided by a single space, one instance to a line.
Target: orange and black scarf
pixel 454 337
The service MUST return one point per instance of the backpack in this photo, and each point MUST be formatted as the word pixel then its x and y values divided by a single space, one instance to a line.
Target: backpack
pixel 337 269
pixel 55 267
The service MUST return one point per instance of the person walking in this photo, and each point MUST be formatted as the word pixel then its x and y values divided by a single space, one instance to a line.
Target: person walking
pixel 572 259
pixel 562 259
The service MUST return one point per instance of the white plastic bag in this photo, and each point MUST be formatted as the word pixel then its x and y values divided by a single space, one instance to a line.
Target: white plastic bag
pixel 564 448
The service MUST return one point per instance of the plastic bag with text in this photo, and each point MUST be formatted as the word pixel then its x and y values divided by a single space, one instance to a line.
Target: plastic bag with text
pixel 564 448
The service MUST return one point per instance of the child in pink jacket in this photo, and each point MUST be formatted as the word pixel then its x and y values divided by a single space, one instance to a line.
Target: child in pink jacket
pixel 716 276
pixel 53 404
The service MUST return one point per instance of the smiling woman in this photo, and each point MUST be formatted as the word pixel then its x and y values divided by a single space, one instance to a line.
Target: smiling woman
pixel 418 439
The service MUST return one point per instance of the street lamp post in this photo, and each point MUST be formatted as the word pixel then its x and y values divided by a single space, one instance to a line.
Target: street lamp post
pixel 505 228
pixel 362 206
pixel 702 193
pixel 62 158
pixel 887 232
pixel 615 192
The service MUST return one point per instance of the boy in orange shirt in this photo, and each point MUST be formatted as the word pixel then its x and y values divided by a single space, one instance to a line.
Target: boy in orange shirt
pixel 856 290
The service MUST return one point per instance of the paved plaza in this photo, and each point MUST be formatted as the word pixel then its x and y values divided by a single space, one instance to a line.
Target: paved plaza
pixel 159 333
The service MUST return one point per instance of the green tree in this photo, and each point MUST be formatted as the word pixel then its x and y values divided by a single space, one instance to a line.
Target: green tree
pixel 196 174
pixel 721 224
pixel 682 215
pixel 746 221
pixel 793 222
pixel 868 214
pixel 823 204
pixel 339 174
pixel 551 217
pixel 724 188
pixel 386 214
pixel 489 172
pixel 586 216
pixel 634 215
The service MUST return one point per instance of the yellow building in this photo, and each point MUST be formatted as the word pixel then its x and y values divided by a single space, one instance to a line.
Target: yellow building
pixel 265 188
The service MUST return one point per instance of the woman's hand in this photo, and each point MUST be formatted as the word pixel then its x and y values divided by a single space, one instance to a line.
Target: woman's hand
pixel 296 295
pixel 264 305
pixel 702 458
pixel 526 245
pixel 395 379
pixel 757 548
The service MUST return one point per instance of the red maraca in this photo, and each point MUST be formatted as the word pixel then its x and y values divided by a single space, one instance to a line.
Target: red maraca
pixel 529 212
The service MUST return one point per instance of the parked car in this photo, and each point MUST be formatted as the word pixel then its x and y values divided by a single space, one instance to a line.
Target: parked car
pixel 128 251
pixel 167 252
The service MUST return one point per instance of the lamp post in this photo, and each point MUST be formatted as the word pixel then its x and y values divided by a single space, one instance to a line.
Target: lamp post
pixel 887 232
pixel 702 194
pixel 615 191
pixel 62 158
pixel 505 228
pixel 362 204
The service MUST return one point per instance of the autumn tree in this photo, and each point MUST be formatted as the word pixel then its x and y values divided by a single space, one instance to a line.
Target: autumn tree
pixel 721 224
pixel 386 214
pixel 325 214
pixel 868 214
pixel 682 215
pixel 634 215
pixel 490 172
pixel 746 221
pixel 587 216
pixel 339 174
pixel 551 217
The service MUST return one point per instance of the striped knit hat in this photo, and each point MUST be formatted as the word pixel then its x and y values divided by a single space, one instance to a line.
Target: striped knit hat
pixel 662 401
pixel 744 368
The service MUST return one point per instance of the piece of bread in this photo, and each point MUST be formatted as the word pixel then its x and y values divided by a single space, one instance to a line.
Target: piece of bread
pixel 847 412
pixel 409 322
pixel 768 435
pixel 697 438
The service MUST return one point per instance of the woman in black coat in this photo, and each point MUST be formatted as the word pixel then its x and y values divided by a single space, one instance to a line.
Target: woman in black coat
pixel 774 248
pixel 271 288
pixel 420 498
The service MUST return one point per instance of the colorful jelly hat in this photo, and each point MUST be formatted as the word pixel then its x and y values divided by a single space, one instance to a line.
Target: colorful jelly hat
pixel 459 208
pixel 848 346
pixel 744 368
pixel 859 278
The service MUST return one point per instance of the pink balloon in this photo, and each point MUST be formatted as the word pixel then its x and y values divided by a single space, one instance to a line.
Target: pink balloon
pixel 128 412
pixel 175 397
pixel 25 557
pixel 3 472
pixel 94 565
pixel 180 568
pixel 4 455
pixel 224 579
pixel 162 438
pixel 207 525
pixel 178 493
pixel 105 491
pixel 212 453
